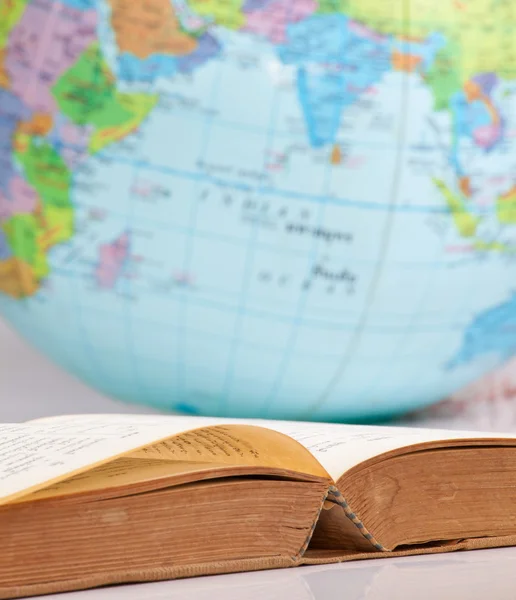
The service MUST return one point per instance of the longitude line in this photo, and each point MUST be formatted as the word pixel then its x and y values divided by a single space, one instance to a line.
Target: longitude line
pixel 249 261
pixel 383 245
pixel 190 241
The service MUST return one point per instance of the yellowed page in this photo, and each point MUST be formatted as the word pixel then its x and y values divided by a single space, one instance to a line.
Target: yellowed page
pixel 120 472
pixel 236 444
pixel 36 454
pixel 40 453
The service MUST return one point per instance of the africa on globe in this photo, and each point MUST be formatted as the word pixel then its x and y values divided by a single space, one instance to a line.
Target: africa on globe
pixel 300 209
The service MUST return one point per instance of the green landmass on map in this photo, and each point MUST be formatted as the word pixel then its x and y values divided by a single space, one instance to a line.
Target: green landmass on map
pixel 46 171
pixel 86 93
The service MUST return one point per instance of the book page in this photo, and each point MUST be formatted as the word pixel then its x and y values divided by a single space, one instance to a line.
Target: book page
pixel 44 452
pixel 336 447
pixel 341 447
pixel 236 444
pixel 121 472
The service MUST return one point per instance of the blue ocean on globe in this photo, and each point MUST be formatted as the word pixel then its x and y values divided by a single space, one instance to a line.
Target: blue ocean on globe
pixel 299 209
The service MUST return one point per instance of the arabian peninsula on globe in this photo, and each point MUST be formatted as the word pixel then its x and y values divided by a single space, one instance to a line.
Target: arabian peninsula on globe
pixel 299 209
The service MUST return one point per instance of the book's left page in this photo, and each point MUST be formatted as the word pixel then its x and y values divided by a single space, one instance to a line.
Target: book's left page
pixel 41 453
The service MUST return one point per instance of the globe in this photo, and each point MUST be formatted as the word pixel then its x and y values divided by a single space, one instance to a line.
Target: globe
pixel 300 209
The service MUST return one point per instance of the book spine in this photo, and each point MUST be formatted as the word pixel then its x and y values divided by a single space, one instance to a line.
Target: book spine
pixel 335 496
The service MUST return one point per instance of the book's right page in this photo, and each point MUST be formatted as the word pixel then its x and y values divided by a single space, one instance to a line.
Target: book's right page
pixel 374 467
pixel 341 447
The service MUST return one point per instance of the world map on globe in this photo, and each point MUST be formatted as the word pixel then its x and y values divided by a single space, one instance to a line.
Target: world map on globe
pixel 274 208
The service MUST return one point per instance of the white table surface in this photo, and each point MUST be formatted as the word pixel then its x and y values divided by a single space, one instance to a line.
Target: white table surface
pixel 30 387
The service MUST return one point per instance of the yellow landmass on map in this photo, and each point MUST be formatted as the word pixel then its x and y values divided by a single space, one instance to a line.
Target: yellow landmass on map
pixel 17 278
pixel 480 29
pixel 506 207
pixel 58 227
pixel 465 222
pixel 492 247
pixel 227 13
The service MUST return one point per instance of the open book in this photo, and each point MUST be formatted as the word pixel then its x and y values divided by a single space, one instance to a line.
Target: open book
pixel 100 499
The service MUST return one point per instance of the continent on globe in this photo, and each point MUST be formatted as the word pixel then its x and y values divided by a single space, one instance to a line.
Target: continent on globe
pixel 16 278
pixel 488 130
pixel 12 111
pixel 444 77
pixel 71 82
pixel 465 222
pixel 151 27
pixel 30 236
pixel 491 332
pixel 88 96
pixel 113 258
pixel 4 77
pixel 25 196
pixel 10 13
pixel 462 78
pixel 208 47
pixel 34 60
pixel 506 207
pixel 339 60
pixel 5 251
pixel 416 55
pixel 404 61
pixel 463 26
pixel 475 117
pixel 271 18
pixel 455 66
pixel 19 198
pixel 51 221
pixel 339 75
pixel 227 14
pixel 46 171
pixel 39 124
pixel 152 42
pixel 255 5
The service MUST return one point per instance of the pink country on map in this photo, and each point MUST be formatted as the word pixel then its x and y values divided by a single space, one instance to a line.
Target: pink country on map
pixel 365 32
pixel 270 18
pixel 113 257
pixel 479 89
pixel 36 56
pixel 487 135
pixel 20 199
pixel 74 138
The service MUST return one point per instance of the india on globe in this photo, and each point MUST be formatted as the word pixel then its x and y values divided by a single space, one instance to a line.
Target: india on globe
pixel 300 209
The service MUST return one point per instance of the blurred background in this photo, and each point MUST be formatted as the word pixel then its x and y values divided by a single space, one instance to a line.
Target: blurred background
pixel 31 386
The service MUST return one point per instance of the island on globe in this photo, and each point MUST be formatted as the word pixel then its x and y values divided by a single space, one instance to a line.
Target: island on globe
pixel 300 209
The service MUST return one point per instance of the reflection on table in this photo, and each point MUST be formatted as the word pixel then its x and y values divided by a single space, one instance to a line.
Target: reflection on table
pixel 473 575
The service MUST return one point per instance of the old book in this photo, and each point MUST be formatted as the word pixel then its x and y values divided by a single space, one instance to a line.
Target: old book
pixel 92 500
